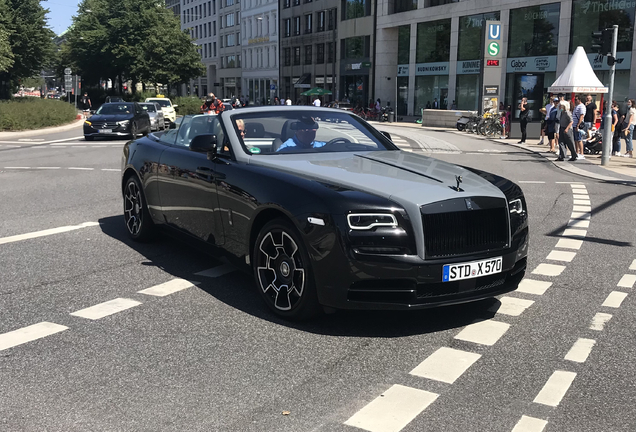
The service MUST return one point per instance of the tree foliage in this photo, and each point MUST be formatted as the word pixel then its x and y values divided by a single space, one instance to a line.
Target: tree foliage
pixel 26 43
pixel 137 40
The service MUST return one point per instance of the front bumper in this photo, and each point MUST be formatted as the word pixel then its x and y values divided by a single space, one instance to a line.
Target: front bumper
pixel 345 280
pixel 113 131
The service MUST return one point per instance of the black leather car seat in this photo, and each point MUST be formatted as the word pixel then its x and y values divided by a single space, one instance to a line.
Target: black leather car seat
pixel 254 130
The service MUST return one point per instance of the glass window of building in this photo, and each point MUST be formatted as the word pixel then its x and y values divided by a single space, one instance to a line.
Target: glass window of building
pixel 397 6
pixel 353 47
pixel 286 4
pixel 287 27
pixel 296 55
pixel 307 54
pixel 331 21
pixel 330 52
pixel 296 26
pixel 534 31
pixel 403 55
pixel 433 41
pixel 355 9
pixel 320 53
pixel 320 21
pixel 589 16
pixel 287 56
pixel 404 44
pixel 308 23
pixel 470 34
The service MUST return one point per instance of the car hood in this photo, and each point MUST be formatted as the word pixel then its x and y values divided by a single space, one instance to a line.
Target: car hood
pixel 407 178
pixel 111 117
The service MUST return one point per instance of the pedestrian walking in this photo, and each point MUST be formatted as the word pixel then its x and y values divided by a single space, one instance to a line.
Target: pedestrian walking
pixel 508 117
pixel 85 101
pixel 616 130
pixel 552 126
pixel 628 127
pixel 566 136
pixel 317 101
pixel 524 113
pixel 288 101
pixel 435 104
pixel 544 120
pixel 578 117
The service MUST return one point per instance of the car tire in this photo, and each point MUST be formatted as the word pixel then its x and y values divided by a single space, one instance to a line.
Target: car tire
pixel 283 273
pixel 139 223
pixel 133 131
pixel 88 138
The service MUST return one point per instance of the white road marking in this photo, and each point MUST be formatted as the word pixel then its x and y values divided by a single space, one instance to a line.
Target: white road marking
pixel 582 202
pixel 531 181
pixel 577 186
pixel 580 208
pixel 217 271
pixel 107 308
pixel 581 196
pixel 614 299
pixel 111 169
pixel 574 233
pixel 83 169
pixel 580 350
pixel 47 168
pixel 511 306
pixel 43 233
pixel 393 410
pixel 530 286
pixel 557 255
pixel 570 183
pixel 167 288
pixel 485 332
pixel 28 334
pixel 555 388
pixel 445 365
pixel 31 139
pixel 548 269
pixel 627 281
pixel 633 265
pixel 569 244
pixel 529 424
pixel 574 223
pixel 17 167
pixel 580 215
pixel 599 320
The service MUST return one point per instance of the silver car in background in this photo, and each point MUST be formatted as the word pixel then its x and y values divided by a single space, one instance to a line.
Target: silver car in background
pixel 157 121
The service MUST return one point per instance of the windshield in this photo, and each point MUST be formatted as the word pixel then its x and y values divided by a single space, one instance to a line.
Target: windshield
pixel 306 131
pixel 164 103
pixel 148 107
pixel 115 108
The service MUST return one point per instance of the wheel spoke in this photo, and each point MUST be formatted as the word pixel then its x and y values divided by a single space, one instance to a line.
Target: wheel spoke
pixel 289 245
pixel 268 246
pixel 282 300
pixel 299 281
pixel 266 278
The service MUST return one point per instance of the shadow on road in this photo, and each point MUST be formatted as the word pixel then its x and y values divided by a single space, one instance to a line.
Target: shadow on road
pixel 182 258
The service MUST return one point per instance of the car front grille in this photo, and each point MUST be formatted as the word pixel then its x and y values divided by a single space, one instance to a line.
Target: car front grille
pixel 448 234
pixel 105 125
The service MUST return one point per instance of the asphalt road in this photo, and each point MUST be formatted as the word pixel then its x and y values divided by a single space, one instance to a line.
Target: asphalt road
pixel 556 355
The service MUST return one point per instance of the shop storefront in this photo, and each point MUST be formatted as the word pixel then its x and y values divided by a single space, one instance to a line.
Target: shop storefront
pixel 261 91
pixel 404 49
pixel 432 64
pixel 355 67
pixel 532 56
pixel 468 61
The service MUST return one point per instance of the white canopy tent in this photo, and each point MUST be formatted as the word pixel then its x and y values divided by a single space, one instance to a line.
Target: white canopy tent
pixel 578 77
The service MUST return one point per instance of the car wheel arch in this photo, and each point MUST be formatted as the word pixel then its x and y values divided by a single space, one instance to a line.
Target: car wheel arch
pixel 128 173
pixel 261 219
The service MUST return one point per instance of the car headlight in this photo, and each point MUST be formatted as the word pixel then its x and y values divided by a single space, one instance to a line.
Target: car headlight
pixel 516 206
pixel 367 221
pixel 123 122
pixel 88 123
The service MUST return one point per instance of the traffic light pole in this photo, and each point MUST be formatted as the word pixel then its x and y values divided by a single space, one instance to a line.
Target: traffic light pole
pixel 607 131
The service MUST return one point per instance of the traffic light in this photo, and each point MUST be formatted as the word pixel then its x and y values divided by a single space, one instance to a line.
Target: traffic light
pixel 602 41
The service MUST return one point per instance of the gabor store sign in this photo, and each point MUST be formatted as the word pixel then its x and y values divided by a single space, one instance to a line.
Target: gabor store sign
pixel 531 64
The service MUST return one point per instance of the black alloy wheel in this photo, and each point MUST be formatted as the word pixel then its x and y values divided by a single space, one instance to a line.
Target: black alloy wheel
pixel 283 272
pixel 139 223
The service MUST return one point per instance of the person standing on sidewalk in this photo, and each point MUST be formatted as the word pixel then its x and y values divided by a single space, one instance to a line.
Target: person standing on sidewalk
pixel 616 130
pixel 628 128
pixel 552 126
pixel 590 115
pixel 566 137
pixel 523 119
pixel 578 116
pixel 544 121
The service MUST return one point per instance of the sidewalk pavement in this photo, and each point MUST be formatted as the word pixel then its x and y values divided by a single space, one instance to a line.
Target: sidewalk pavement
pixel 6 136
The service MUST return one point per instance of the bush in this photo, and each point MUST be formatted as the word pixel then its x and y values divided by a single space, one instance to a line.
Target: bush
pixel 188 105
pixel 34 113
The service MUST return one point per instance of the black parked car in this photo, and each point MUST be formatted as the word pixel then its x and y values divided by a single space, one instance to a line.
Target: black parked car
pixel 120 119
pixel 327 211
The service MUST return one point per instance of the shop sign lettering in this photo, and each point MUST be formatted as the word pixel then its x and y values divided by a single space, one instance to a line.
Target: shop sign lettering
pixel 468 67
pixel 531 16
pixel 403 70
pixel 604 6
pixel 440 68
pixel 599 62
pixel 532 64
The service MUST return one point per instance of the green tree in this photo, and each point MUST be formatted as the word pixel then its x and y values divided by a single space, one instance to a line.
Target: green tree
pixel 137 40
pixel 6 54
pixel 30 41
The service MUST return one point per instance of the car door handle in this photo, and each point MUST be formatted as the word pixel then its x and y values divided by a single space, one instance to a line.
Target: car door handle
pixel 204 170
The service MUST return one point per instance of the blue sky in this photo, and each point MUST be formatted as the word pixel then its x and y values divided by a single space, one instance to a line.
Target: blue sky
pixel 60 13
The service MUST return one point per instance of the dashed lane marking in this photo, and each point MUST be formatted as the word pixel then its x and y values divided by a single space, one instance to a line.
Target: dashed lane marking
pixel 105 309
pixel 531 182
pixel 511 306
pixel 486 332
pixel 614 299
pixel 446 365
pixel 574 233
pixel 535 287
pixel 627 281
pixel 167 288
pixel 633 265
pixel 577 185
pixel 111 169
pixel 580 350
pixel 548 269
pixel 529 424
pixel 392 410
pixel 217 271
pixel 579 223
pixel 47 232
pixel 564 256
pixel 599 320
pixel 579 208
pixel 582 196
pixel 581 215
pixel 555 388
pixel 569 244
pixel 81 169
pixel 582 202
pixel 28 334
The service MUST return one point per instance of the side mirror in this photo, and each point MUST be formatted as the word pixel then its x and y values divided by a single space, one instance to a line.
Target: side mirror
pixel 174 106
pixel 388 135
pixel 203 143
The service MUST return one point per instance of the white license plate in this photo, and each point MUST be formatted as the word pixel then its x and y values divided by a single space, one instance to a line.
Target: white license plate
pixel 473 269
pixel 105 131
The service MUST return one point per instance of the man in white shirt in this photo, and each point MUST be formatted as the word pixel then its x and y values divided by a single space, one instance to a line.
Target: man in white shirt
pixel 317 101
pixel 288 101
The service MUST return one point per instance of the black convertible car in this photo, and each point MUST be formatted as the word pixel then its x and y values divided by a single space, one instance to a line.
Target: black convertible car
pixel 327 211
pixel 119 119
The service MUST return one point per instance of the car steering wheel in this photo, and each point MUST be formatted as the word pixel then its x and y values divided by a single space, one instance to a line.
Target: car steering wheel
pixel 335 141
